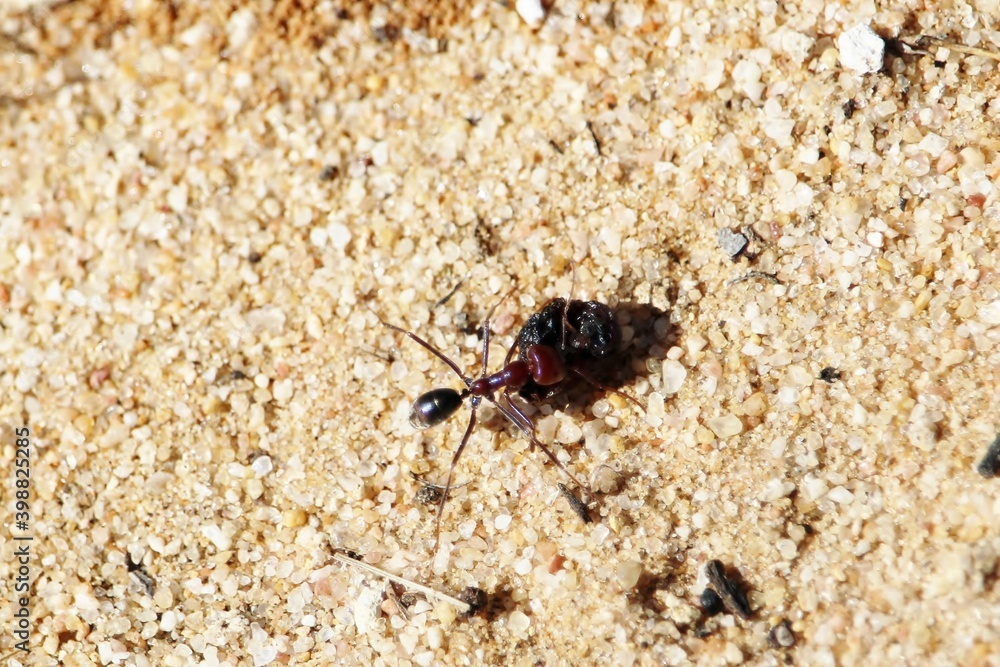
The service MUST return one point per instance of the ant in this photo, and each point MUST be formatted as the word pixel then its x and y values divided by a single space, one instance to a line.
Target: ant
pixel 552 343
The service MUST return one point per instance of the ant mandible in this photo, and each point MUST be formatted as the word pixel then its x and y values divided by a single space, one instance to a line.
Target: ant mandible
pixel 552 343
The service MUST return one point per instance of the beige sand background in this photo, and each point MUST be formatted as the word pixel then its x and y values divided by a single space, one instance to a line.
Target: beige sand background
pixel 205 207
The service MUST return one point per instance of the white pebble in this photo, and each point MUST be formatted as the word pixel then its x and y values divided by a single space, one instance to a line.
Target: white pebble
pixel 240 27
pixel 787 548
pixel 408 640
pixel 25 380
pixel 262 465
pixel 861 49
pixel 862 547
pixel 568 433
pixel 518 623
pixel 990 313
pixel 502 522
pixel 169 621
pixel 840 495
pixel 775 489
pixel 283 390
pixel 674 374
pixel 177 198
pixel 732 243
pixel 605 479
pixel 933 144
pixel 629 573
pixel 466 529
pixel 217 537
pixel 788 395
pixel 264 655
pixel 339 235
pixel 725 426
pixel 813 487
pixel 531 12
pixel 746 76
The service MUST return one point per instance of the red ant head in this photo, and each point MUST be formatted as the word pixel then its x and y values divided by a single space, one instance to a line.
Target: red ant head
pixel 545 364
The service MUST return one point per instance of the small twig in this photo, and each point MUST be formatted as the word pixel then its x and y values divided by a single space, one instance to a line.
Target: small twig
pixel 575 503
pixel 733 597
pixel 961 48
pixel 593 135
pixel 419 479
pixel 443 300
pixel 430 592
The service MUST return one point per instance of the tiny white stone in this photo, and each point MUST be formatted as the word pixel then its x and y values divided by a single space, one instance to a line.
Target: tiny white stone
pixel 933 144
pixel 518 622
pixel 746 77
pixel 990 313
pixel 466 529
pixel 674 374
pixel 265 655
pixel 629 573
pixel 725 426
pixel 600 533
pixel 283 390
pixel 217 537
pixel 262 465
pixel 502 522
pixel 169 621
pixel 531 12
pixel 177 198
pixel 339 235
pixel 813 487
pixel 861 49
pixel 840 495
pixel 732 243
pixel 787 548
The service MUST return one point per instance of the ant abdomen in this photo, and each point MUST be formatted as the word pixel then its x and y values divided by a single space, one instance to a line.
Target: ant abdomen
pixel 435 406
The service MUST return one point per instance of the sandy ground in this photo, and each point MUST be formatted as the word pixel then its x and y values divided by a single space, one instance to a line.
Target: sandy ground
pixel 206 208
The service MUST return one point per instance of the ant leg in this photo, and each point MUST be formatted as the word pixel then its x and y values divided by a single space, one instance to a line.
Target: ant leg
pixel 565 314
pixel 451 471
pixel 522 421
pixel 510 353
pixel 486 343
pixel 509 412
pixel 598 385
pixel 423 482
pixel 433 350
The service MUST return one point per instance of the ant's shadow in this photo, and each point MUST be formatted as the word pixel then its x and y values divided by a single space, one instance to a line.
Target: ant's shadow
pixel 651 327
